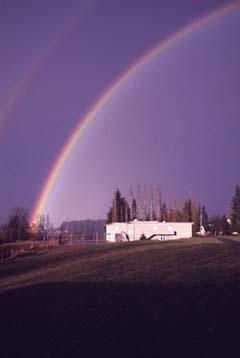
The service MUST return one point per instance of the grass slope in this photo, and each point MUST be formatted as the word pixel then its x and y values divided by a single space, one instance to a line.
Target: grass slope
pixel 142 299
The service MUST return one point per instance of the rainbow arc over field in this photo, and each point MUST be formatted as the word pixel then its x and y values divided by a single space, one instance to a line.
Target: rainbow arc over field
pixel 110 91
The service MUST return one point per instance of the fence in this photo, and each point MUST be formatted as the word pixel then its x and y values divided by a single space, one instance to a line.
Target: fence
pixel 22 248
pixel 84 242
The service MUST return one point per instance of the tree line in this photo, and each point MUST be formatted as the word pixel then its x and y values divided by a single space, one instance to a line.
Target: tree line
pixel 147 205
pixel 142 205
pixel 17 226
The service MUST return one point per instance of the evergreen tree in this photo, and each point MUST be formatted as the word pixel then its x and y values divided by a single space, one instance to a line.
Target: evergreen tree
pixel 191 214
pixel 120 210
pixel 109 218
pixel 197 223
pixel 187 211
pixel 117 206
pixel 164 212
pixel 123 204
pixel 205 219
pixel 219 225
pixel 235 214
pixel 170 215
pixel 134 209
pixel 154 216
pixel 225 226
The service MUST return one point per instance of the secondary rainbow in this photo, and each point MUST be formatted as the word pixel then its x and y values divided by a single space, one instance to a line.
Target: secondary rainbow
pixel 109 92
pixel 21 85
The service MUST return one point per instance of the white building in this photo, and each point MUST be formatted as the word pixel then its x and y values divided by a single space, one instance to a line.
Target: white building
pixel 150 229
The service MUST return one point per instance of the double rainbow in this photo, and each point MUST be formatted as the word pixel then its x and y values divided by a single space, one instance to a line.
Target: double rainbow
pixel 109 92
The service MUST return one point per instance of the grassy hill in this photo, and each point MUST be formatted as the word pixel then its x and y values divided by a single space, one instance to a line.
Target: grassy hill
pixel 141 299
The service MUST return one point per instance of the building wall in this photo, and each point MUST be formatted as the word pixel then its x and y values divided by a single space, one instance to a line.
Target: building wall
pixel 134 230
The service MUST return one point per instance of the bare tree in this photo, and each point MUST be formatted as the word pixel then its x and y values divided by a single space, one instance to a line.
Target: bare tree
pixel 159 204
pixel 139 201
pixel 173 210
pixel 17 225
pixel 130 200
pixel 144 202
pixel 151 205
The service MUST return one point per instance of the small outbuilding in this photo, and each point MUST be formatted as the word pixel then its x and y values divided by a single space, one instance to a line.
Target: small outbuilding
pixel 136 230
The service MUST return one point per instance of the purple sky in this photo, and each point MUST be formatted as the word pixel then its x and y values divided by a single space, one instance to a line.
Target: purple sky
pixel 175 124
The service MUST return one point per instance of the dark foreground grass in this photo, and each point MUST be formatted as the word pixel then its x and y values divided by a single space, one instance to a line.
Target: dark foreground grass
pixel 139 299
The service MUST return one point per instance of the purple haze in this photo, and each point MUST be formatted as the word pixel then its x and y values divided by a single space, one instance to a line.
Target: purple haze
pixel 175 124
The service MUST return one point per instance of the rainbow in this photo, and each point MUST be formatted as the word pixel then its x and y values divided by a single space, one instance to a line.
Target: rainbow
pixel 21 85
pixel 109 92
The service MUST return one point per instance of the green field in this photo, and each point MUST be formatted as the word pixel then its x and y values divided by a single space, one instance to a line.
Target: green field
pixel 141 299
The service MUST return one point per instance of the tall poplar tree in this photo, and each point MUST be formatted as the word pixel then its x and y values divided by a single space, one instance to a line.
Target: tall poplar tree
pixel 134 209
